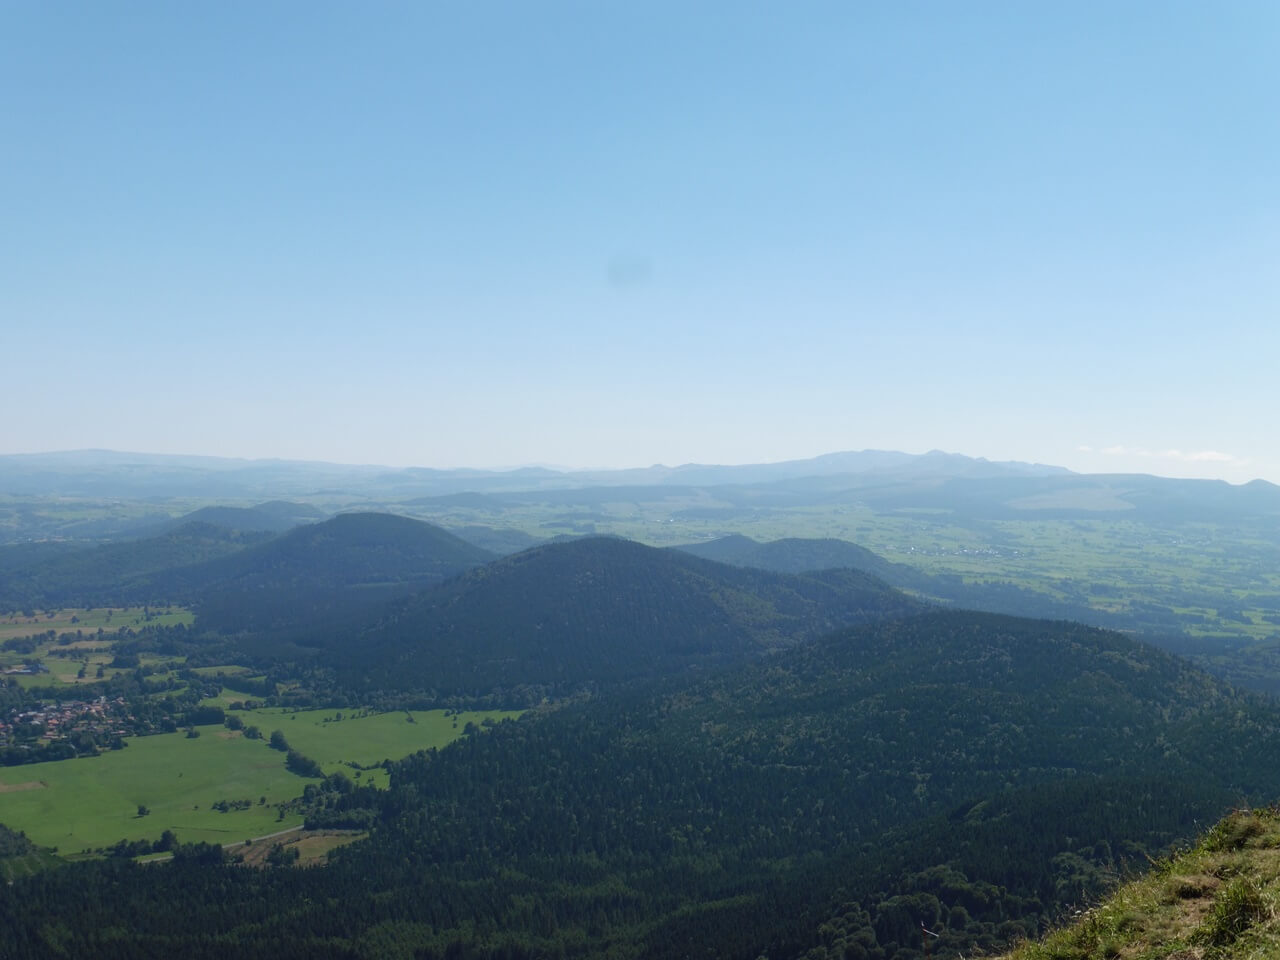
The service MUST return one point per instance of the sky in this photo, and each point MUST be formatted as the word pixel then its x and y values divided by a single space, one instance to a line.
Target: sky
pixel 605 234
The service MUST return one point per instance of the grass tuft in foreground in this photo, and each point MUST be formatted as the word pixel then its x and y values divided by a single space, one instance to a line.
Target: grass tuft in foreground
pixel 1217 901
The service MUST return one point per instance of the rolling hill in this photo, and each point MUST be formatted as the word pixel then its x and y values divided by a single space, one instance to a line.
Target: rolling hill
pixel 245 579
pixel 275 516
pixel 339 568
pixel 128 572
pixel 597 610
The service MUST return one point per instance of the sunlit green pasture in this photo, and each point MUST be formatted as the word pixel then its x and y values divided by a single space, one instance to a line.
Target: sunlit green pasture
pixel 227 696
pixel 364 738
pixel 93 801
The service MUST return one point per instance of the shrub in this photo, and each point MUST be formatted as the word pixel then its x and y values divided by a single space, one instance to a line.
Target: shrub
pixel 1237 907
pixel 1233 832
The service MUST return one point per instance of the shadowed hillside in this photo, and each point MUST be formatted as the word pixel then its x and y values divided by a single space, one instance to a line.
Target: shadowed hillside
pixel 351 563
pixel 129 572
pixel 245 580
pixel 599 610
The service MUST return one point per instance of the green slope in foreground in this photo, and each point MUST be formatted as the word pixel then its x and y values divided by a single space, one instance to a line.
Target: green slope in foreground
pixel 93 802
pixel 1217 901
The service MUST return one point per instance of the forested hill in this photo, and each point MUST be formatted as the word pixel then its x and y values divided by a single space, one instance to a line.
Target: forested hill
pixel 275 516
pixel 598 610
pixel 248 580
pixel 841 791
pixel 353 562
pixel 131 571
pixel 968 771
pixel 348 549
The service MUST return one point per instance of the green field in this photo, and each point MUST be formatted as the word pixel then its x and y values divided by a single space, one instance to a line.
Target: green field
pixel 230 670
pixel 227 696
pixel 364 739
pixel 109 619
pixel 93 802
pixel 64 671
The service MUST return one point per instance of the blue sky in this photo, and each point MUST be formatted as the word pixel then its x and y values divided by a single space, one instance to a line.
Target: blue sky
pixel 608 234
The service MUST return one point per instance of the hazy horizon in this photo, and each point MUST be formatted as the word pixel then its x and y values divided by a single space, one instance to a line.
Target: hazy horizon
pixel 592 468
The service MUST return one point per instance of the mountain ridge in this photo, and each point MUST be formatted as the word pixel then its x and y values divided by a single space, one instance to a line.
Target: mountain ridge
pixel 95 472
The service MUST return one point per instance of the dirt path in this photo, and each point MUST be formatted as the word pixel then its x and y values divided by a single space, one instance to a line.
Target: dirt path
pixel 237 843
pixel 15 787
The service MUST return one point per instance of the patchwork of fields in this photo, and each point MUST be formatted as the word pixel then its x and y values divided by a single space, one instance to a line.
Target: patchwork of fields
pixel 108 619
pixel 1220 578
pixel 78 662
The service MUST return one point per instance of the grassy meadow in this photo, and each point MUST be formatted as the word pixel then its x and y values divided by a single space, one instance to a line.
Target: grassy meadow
pixel 83 804
pixel 361 737
pixel 93 801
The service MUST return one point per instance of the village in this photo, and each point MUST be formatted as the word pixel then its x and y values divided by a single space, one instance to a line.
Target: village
pixel 100 717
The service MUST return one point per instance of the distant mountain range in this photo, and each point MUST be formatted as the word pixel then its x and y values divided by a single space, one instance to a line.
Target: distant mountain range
pixel 102 473
pixel 965 489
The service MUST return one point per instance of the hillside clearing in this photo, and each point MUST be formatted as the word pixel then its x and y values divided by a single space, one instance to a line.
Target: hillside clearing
pixel 339 739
